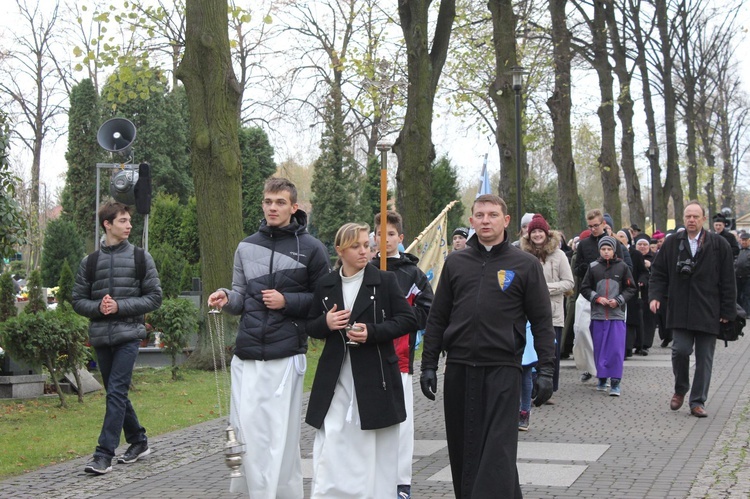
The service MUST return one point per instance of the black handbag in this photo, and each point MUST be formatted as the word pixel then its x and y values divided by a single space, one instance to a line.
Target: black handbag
pixel 732 330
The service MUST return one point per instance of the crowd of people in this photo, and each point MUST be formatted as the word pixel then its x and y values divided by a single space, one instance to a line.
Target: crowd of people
pixel 505 314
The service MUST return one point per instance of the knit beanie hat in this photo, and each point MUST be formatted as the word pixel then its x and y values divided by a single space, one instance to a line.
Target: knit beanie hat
pixel 608 218
pixel 608 241
pixel 526 218
pixel 461 231
pixel 538 222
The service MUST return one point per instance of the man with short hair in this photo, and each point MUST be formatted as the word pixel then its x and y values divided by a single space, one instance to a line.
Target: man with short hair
pixel 720 227
pixel 460 235
pixel 478 317
pixel 275 271
pixel 694 268
pixel 112 294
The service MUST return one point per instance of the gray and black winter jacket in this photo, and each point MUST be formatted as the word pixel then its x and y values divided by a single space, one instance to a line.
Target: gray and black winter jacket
pixel 289 260
pixel 610 279
pixel 116 276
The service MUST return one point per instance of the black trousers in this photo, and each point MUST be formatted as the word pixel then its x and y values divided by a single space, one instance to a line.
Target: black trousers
pixel 481 425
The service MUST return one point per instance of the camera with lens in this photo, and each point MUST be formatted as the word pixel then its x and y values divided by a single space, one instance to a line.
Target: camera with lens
pixel 685 267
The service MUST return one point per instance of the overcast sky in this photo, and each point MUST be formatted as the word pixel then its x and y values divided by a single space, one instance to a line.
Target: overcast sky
pixel 465 148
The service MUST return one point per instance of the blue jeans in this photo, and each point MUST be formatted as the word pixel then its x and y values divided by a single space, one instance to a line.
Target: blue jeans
pixel 527 385
pixel 116 366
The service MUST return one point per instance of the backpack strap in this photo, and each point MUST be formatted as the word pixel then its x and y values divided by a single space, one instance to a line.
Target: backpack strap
pixel 140 263
pixel 91 266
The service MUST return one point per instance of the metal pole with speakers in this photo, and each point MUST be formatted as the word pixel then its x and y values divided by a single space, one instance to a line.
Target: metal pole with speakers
pixel 129 184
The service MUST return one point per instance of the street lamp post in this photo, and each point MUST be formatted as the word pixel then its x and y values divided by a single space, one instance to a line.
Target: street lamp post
pixel 383 146
pixel 652 157
pixel 517 72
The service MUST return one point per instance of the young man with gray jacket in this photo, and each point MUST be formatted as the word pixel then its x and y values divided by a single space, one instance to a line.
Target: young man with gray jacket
pixel 115 287
pixel 275 272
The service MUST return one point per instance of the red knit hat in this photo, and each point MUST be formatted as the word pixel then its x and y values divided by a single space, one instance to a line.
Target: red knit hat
pixel 538 222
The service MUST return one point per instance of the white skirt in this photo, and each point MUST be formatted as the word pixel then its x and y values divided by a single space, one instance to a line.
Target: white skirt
pixel 349 462
pixel 583 346
pixel 266 409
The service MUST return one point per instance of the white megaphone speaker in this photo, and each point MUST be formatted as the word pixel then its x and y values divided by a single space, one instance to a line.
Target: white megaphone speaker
pixel 117 136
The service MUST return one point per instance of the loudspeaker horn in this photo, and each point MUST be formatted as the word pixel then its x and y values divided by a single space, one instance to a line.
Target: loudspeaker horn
pixel 117 135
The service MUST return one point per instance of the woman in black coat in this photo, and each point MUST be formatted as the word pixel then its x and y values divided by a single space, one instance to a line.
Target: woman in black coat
pixel 634 317
pixel 357 400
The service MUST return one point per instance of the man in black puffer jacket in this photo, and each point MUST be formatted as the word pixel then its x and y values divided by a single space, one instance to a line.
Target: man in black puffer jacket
pixel 116 299
pixel 275 271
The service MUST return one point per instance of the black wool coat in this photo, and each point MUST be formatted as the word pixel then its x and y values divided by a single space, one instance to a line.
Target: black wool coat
pixel 381 306
pixel 698 301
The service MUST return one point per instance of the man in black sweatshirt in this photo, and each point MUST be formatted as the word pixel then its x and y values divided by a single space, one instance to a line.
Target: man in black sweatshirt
pixel 486 293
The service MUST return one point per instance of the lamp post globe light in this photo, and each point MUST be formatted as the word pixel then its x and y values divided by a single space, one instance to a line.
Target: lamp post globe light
pixel 518 72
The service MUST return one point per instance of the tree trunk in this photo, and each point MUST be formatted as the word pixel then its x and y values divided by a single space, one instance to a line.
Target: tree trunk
pixel 658 217
pixel 608 168
pixel 673 184
pixel 413 147
pixel 625 114
pixel 213 100
pixel 568 204
pixel 688 81
pixel 502 94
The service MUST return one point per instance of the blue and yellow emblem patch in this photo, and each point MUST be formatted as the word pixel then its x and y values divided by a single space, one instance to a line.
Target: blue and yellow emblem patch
pixel 504 278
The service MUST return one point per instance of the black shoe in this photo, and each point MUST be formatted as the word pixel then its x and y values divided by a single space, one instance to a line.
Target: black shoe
pixel 644 352
pixel 665 343
pixel 99 465
pixel 134 452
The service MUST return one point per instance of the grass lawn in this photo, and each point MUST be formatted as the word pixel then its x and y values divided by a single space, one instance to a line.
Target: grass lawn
pixel 37 432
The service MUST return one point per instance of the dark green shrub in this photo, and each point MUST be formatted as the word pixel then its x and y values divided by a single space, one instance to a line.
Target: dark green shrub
pixel 177 319
pixel 7 297
pixel 65 285
pixel 53 338
pixel 37 301
pixel 62 243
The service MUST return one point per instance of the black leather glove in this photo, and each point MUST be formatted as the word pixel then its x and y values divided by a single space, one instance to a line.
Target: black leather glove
pixel 543 385
pixel 428 383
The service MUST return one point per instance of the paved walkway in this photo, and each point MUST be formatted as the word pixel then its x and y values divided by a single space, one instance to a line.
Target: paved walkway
pixel 586 445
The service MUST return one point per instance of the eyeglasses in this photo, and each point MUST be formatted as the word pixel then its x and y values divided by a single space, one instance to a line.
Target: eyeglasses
pixel 595 226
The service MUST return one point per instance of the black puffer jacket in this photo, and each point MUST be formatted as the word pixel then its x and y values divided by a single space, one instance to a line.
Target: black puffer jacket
pixel 286 259
pixel 116 275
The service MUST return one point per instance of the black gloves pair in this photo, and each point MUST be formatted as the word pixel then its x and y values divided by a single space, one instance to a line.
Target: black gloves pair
pixel 542 387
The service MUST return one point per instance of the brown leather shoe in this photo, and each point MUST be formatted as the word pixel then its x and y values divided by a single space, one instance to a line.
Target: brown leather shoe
pixel 676 402
pixel 698 411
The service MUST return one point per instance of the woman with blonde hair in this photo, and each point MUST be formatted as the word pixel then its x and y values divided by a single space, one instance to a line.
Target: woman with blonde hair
pixel 357 400
pixel 544 243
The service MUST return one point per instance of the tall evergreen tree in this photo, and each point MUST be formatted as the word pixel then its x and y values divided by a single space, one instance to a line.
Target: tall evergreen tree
pixel 334 182
pixel 61 243
pixel 369 194
pixel 256 153
pixel 165 220
pixel 444 190
pixel 79 194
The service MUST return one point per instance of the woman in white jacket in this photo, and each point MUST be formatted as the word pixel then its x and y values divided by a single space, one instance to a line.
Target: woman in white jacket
pixel 544 243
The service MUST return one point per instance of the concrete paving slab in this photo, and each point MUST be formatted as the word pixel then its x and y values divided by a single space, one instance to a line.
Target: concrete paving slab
pixel 549 475
pixel 549 451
